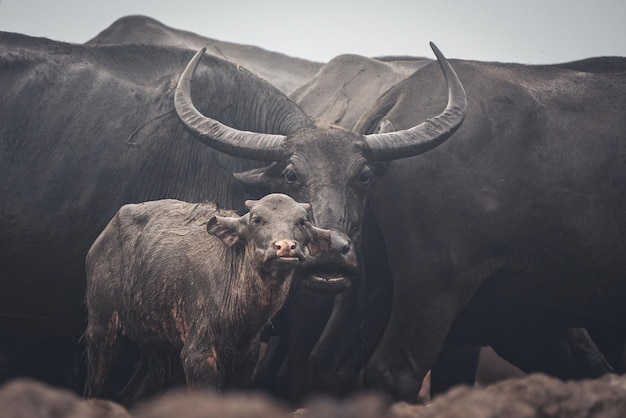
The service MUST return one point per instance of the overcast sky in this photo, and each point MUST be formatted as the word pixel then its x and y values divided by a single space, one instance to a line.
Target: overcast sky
pixel 530 31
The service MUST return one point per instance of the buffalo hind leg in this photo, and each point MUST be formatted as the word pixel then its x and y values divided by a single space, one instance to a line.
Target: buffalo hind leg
pixel 104 343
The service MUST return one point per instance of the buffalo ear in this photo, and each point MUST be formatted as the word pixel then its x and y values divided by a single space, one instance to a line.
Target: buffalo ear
pixel 225 228
pixel 306 207
pixel 260 181
pixel 385 126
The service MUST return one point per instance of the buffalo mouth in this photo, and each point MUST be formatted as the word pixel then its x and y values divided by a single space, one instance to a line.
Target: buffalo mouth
pixel 286 260
pixel 280 263
pixel 326 277
pixel 327 283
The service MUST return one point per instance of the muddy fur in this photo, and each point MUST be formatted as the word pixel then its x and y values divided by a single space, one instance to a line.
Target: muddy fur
pixel 194 302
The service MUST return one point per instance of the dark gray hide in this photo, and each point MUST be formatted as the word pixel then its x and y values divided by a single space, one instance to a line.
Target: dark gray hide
pixel 157 277
pixel 516 224
pixel 285 72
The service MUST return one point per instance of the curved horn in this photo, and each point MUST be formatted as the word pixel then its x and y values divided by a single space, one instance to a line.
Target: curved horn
pixel 256 146
pixel 428 134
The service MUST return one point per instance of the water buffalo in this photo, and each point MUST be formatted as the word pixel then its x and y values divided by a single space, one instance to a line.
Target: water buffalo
pixel 319 353
pixel 284 72
pixel 511 231
pixel 87 129
pixel 157 277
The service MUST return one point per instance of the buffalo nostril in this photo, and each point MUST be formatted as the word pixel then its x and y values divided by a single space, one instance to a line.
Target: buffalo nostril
pixel 340 243
pixel 285 248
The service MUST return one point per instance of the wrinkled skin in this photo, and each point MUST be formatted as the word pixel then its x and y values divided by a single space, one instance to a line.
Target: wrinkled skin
pixel 515 224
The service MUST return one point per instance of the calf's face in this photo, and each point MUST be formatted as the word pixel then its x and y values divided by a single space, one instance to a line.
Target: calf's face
pixel 276 227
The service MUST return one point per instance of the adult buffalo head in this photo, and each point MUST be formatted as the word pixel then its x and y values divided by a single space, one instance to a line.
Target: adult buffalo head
pixel 327 166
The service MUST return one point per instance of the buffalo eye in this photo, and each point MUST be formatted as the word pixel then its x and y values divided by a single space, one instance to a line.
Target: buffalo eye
pixel 302 222
pixel 366 176
pixel 256 220
pixel 290 175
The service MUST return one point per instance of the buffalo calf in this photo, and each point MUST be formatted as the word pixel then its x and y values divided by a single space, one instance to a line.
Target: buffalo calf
pixel 191 298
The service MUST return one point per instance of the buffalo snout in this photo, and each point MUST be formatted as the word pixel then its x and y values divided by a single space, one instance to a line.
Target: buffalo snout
pixel 332 265
pixel 284 252
pixel 285 248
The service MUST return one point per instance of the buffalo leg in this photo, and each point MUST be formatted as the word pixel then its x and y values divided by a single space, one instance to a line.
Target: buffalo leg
pixel 203 367
pixel 154 372
pixel 410 345
pixel 104 344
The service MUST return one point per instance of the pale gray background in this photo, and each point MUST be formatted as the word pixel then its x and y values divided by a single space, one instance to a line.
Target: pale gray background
pixel 531 31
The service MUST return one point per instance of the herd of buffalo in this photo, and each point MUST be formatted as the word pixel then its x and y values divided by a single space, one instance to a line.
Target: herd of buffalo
pixel 178 211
